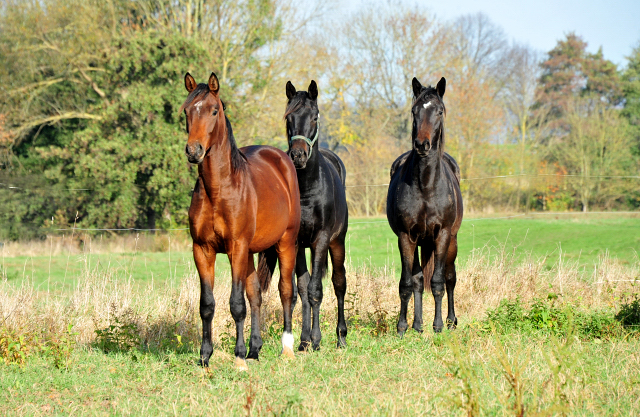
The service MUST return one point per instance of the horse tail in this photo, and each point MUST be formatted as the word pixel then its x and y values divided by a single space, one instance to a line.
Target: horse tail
pixel 427 271
pixel 266 265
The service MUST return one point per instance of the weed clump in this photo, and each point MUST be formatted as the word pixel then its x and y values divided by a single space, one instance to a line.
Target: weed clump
pixel 118 337
pixel 546 316
pixel 629 314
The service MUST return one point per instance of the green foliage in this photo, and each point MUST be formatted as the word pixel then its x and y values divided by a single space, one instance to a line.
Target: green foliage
pixel 631 92
pixel 60 347
pixel 118 337
pixel 16 347
pixel 629 314
pixel 132 159
pixel 546 317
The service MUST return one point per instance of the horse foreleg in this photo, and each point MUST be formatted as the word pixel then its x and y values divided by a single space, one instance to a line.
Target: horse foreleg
pixel 303 284
pixel 339 279
pixel 319 259
pixel 254 294
pixel 418 289
pixel 205 263
pixel 438 280
pixel 407 253
pixel 238 260
pixel 450 277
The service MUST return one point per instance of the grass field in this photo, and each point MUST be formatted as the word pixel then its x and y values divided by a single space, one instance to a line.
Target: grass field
pixel 370 242
pixel 540 332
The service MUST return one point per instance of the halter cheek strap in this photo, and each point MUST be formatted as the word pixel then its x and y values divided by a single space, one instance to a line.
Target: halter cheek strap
pixel 310 142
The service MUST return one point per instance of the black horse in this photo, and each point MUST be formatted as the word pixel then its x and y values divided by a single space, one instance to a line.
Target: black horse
pixel 424 208
pixel 323 204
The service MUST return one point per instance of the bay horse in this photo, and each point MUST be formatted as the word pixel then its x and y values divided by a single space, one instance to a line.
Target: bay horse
pixel 245 201
pixel 325 217
pixel 424 209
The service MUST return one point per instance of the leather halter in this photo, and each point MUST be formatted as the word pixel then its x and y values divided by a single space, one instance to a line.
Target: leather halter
pixel 310 142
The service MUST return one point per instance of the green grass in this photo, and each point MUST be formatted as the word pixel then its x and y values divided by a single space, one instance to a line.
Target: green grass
pixel 370 241
pixel 420 374
pixel 580 239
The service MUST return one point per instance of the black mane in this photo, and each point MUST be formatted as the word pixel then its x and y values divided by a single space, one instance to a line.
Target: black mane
pixel 238 159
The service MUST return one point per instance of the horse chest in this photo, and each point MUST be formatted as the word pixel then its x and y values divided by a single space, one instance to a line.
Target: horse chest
pixel 205 228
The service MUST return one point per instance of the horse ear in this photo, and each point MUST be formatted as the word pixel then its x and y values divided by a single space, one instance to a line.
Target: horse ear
pixel 313 90
pixel 442 84
pixel 417 87
pixel 189 83
pixel 291 90
pixel 214 85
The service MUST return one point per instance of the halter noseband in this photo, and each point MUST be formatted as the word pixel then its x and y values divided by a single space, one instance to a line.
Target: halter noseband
pixel 310 142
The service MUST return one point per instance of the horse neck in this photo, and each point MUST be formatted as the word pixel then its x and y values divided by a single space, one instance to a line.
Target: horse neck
pixel 310 175
pixel 217 168
pixel 430 166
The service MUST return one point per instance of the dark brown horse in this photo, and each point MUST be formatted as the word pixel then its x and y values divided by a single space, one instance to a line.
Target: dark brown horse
pixel 424 208
pixel 325 216
pixel 245 201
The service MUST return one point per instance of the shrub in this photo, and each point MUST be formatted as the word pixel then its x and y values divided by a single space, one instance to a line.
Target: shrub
pixel 629 314
pixel 118 337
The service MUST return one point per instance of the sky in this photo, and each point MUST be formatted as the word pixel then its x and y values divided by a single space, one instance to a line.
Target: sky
pixel 612 24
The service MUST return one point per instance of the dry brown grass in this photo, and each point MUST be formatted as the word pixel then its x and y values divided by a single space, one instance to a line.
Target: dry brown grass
pixel 77 242
pixel 162 309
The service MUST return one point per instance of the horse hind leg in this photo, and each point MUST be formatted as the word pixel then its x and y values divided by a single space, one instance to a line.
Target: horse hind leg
pixel 254 295
pixel 450 282
pixel 287 259
pixel 339 279
pixel 303 283
pixel 237 304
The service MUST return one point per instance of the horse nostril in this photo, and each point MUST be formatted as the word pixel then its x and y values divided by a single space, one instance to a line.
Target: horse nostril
pixel 199 149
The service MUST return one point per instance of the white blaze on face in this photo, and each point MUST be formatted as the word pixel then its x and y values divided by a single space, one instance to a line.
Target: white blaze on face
pixel 198 106
pixel 425 105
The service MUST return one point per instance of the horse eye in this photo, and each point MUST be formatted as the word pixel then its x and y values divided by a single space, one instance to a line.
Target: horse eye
pixel 440 112
pixel 215 112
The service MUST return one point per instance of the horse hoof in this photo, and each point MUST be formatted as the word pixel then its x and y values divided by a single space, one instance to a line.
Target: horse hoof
pixel 203 363
pixel 437 329
pixel 288 353
pixel 241 365
pixel 304 347
pixel 341 344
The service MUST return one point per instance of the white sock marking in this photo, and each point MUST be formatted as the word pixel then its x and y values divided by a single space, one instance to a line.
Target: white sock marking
pixel 287 341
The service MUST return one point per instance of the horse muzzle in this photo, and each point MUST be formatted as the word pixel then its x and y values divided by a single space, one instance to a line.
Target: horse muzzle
pixel 299 158
pixel 195 153
pixel 422 148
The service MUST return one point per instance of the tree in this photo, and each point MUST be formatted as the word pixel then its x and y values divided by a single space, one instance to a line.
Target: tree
pixel 133 158
pixel 596 146
pixel 570 71
pixel 631 93
pixel 518 96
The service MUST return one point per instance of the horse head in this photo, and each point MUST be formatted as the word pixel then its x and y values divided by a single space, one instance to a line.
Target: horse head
pixel 428 112
pixel 204 111
pixel 302 116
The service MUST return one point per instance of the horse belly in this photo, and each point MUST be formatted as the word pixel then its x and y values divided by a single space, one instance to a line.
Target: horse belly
pixel 272 219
